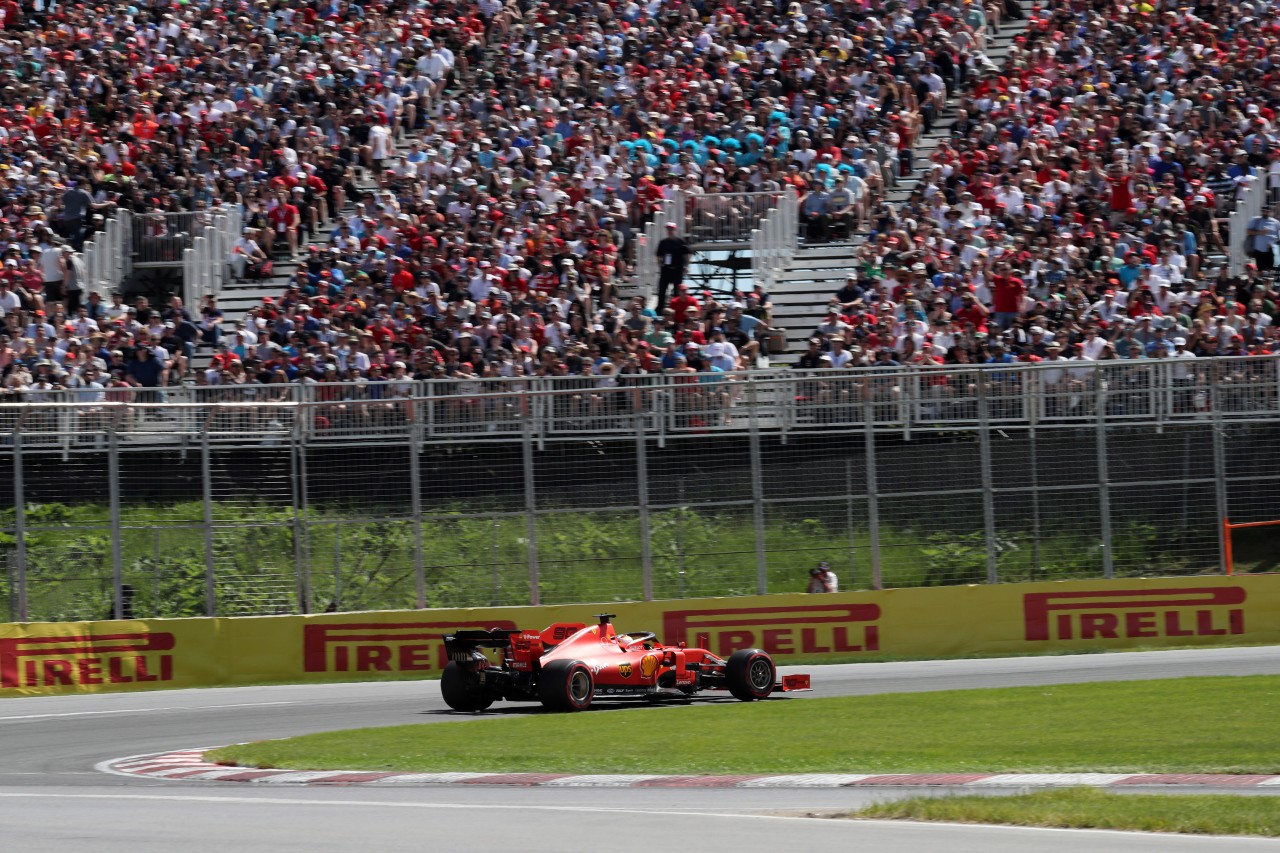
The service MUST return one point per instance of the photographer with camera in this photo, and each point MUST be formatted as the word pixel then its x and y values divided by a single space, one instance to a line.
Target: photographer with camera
pixel 822 579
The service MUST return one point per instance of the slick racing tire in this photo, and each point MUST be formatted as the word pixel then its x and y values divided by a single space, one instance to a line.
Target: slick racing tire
pixel 459 694
pixel 750 674
pixel 566 685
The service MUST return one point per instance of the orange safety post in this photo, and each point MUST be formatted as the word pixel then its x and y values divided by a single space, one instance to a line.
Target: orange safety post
pixel 1226 545
pixel 1227 527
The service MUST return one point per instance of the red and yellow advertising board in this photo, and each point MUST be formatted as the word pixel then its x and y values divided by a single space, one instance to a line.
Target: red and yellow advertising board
pixel 51 658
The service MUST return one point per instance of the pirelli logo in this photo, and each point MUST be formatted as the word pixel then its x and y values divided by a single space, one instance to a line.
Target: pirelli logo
pixel 1114 614
pixel 380 646
pixel 804 630
pixel 86 660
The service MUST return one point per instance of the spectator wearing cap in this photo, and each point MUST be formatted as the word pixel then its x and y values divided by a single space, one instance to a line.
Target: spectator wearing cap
pixel 54 269
pixel 1008 292
pixel 1264 234
pixel 841 203
pixel 673 253
pixel 284 220
pixel 816 212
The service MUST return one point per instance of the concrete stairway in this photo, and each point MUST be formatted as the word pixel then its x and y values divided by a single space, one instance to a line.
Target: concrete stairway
pixel 241 295
pixel 800 299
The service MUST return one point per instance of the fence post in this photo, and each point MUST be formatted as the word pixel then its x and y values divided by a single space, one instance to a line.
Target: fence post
pixel 117 555
pixel 415 501
pixel 988 499
pixel 301 550
pixel 337 566
pixel 206 489
pixel 530 509
pixel 1104 480
pixel 642 496
pixel 20 522
pixel 757 505
pixel 1032 438
pixel 1220 488
pixel 873 493
pixel 848 521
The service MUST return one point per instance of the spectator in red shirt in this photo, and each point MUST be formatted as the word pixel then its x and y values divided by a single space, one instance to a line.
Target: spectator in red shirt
pixel 683 304
pixel 1008 292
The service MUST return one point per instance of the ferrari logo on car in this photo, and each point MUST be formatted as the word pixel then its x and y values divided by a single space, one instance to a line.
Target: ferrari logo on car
pixel 624 669
pixel 648 666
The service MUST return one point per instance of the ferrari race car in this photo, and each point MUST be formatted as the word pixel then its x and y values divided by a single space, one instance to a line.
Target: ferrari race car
pixel 569 664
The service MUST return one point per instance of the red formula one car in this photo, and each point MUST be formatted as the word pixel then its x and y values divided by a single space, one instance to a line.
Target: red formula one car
pixel 569 664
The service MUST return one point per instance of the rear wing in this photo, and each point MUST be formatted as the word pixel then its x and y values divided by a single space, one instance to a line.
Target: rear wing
pixel 460 644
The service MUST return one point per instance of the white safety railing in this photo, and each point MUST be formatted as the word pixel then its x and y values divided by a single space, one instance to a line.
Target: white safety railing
pixel 105 259
pixel 206 265
pixel 158 238
pixel 1248 206
pixel 774 242
pixel 723 217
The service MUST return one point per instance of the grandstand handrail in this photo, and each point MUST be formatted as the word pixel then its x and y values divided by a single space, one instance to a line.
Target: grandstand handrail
pixel 902 398
pixel 722 217
pixel 1248 206
pixel 105 261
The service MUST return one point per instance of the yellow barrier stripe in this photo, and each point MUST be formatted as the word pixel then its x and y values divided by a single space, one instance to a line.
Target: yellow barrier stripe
pixel 146 654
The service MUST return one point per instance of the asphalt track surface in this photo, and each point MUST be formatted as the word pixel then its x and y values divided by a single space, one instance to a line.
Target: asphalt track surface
pixel 52 798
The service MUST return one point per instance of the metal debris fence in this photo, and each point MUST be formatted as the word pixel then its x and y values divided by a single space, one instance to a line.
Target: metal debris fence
pixel 238 500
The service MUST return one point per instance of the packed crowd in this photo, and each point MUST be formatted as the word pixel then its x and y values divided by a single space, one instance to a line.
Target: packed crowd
pixel 463 183
pixel 1084 185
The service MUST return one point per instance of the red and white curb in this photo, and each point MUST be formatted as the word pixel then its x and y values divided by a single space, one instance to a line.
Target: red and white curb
pixel 189 764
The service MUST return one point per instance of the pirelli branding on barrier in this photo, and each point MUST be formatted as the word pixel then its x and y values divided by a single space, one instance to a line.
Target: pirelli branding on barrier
pixel 82 661
pixel 1112 614
pixel 809 629
pixel 381 646
pixel 934 622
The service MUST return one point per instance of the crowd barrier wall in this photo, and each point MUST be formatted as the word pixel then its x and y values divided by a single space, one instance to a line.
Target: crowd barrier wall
pixel 86 657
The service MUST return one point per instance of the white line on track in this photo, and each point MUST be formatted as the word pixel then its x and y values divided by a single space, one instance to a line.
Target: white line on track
pixel 20 717
pixel 489 807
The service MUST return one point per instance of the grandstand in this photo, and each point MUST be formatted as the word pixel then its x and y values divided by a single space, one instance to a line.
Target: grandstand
pixel 301 224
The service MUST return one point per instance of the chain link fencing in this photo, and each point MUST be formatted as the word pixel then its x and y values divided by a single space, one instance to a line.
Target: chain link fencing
pixel 357 500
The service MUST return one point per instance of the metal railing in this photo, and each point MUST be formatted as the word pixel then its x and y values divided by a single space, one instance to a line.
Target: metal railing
pixel 901 400
pixel 727 504
pixel 159 238
pixel 774 242
pixel 106 262
pixel 1248 206
pixel 206 265
pixel 722 217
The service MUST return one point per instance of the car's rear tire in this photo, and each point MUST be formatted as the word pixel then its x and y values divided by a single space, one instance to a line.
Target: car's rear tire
pixel 750 674
pixel 459 693
pixel 566 685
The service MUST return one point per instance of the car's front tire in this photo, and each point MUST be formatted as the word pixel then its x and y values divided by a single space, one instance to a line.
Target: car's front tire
pixel 566 685
pixel 750 674
pixel 460 693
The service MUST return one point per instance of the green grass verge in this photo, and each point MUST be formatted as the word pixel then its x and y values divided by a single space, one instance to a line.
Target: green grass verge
pixel 1089 808
pixel 1223 725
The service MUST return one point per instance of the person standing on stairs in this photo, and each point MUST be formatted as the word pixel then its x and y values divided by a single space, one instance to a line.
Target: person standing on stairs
pixel 673 260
